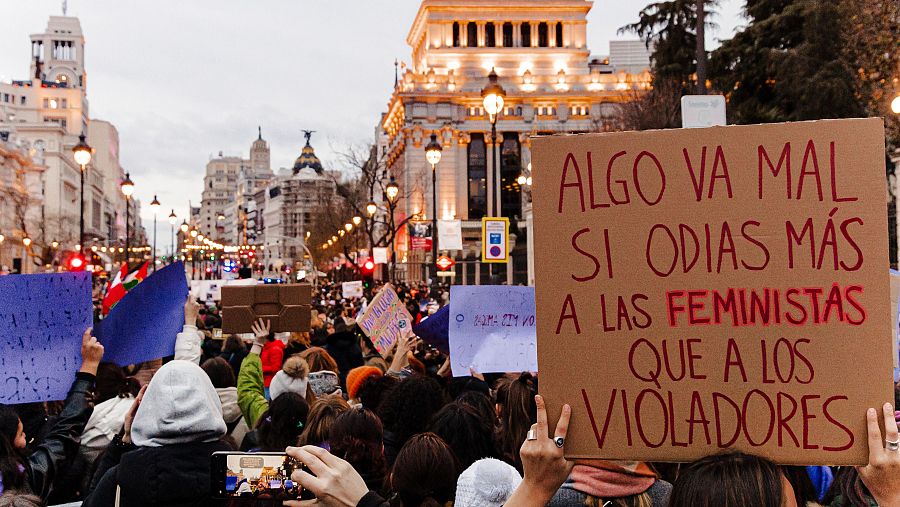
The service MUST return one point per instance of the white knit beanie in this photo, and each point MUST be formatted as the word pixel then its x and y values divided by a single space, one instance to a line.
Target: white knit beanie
pixel 487 482
pixel 293 377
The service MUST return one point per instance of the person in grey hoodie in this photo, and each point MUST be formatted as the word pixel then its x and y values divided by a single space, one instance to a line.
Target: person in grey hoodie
pixel 162 456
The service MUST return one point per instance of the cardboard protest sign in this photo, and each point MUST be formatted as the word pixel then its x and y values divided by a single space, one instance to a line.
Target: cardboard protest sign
pixel 42 320
pixel 492 329
pixel 352 289
pixel 286 306
pixel 435 329
pixel 143 326
pixel 895 319
pixel 714 288
pixel 385 320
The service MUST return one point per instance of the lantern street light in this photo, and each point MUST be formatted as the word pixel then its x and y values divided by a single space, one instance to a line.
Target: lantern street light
pixel 433 156
pixel 371 208
pixel 357 220
pixel 154 205
pixel 82 155
pixel 173 219
pixel 392 192
pixel 492 97
pixel 895 104
pixel 127 190
pixel 348 227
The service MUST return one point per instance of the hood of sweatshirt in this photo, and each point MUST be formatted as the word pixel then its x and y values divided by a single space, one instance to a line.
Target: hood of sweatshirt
pixel 230 409
pixel 179 406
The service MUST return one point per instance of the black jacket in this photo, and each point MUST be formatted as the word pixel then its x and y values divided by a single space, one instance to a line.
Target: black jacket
pixel 171 475
pixel 60 444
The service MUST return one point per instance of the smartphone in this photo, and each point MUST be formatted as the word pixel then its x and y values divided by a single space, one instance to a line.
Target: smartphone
pixel 256 475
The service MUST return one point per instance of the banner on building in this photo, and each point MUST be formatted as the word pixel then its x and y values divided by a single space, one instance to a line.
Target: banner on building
pixel 419 235
pixel 719 288
pixel 380 255
pixel 450 234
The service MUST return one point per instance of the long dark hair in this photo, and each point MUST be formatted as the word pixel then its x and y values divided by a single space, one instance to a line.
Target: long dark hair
pixel 280 426
pixel 731 479
pixel 10 458
pixel 847 489
pixel 357 436
pixel 515 396
pixel 219 372
pixel 111 382
pixel 425 472
pixel 409 407
pixel 466 432
pixel 321 418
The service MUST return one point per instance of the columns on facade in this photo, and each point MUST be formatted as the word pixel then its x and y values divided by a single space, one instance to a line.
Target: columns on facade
pixel 517 34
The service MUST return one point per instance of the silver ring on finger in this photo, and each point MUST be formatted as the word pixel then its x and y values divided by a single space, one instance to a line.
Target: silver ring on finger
pixel 531 435
pixel 892 445
pixel 559 441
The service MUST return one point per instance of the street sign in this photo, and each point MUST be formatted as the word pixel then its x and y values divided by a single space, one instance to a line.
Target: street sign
pixel 702 111
pixel 494 239
pixel 444 263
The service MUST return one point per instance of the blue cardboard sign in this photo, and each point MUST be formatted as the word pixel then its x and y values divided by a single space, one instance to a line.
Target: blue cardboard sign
pixel 42 319
pixel 143 326
pixel 435 329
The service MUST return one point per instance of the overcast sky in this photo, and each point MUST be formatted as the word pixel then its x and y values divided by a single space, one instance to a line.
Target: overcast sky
pixel 183 80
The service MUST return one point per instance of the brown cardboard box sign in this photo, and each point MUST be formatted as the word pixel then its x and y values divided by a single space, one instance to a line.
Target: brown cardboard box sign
pixel 700 290
pixel 286 306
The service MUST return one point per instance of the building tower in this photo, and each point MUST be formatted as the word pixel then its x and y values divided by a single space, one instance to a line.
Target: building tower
pixel 57 55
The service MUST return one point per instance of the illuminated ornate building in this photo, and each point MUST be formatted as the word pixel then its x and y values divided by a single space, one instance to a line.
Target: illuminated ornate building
pixel 44 115
pixel 552 84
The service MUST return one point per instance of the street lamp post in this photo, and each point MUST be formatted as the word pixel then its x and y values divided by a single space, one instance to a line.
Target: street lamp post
pixel 433 156
pixel 193 234
pixel 82 154
pixel 492 98
pixel 173 219
pixel 392 191
pixel 127 190
pixel 154 205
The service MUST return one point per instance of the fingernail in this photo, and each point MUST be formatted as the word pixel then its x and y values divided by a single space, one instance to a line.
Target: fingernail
pixel 888 408
pixel 567 407
pixel 871 412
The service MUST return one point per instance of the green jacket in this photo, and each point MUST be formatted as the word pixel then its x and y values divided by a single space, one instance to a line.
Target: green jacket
pixel 250 391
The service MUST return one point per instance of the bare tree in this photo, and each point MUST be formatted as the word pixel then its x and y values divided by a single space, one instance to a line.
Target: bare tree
pixel 657 109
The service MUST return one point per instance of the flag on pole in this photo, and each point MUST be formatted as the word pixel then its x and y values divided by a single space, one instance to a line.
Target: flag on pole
pixel 121 284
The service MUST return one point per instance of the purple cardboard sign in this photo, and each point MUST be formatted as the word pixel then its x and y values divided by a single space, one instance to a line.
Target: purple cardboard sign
pixel 42 319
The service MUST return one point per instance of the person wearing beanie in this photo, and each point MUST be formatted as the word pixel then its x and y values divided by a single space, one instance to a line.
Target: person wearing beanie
pixel 162 455
pixel 488 482
pixel 293 377
pixel 357 376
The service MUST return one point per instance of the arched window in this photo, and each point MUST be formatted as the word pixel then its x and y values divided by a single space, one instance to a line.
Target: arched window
pixel 507 35
pixel 543 39
pixel 490 35
pixel 526 34
pixel 559 35
pixel 477 169
pixel 455 34
pixel 471 35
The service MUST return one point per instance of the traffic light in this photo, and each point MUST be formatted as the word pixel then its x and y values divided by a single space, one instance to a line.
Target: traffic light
pixel 368 273
pixel 76 262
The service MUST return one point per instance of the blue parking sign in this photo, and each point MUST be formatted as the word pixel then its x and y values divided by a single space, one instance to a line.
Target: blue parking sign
pixel 495 238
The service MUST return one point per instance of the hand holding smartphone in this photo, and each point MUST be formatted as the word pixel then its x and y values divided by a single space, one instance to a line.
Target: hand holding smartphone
pixel 257 476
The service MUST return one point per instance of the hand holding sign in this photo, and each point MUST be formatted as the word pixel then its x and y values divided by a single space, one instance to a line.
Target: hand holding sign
pixel 882 475
pixel 91 353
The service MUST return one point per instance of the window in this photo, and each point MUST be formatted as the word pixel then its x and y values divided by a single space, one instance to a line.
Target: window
pixel 23 100
pixel 510 168
pixel 543 39
pixel 507 35
pixel 471 35
pixel 559 35
pixel 490 35
pixel 526 35
pixel 455 34
pixel 477 162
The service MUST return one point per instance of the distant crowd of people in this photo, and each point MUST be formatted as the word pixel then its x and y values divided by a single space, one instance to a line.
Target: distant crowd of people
pixel 371 429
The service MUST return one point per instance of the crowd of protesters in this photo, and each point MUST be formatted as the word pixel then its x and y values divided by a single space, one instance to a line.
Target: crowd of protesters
pixel 371 430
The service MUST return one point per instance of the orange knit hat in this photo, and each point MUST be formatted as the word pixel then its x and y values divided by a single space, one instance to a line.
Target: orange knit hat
pixel 357 376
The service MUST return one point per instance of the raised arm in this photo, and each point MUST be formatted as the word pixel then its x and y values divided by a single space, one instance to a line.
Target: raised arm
pixel 250 387
pixel 61 443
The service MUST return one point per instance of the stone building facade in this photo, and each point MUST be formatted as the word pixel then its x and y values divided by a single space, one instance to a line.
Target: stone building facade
pixel 552 84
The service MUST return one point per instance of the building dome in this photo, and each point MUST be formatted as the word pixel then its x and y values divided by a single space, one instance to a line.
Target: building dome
pixel 308 157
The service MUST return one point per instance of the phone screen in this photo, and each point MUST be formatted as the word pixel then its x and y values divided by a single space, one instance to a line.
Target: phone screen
pixel 255 475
